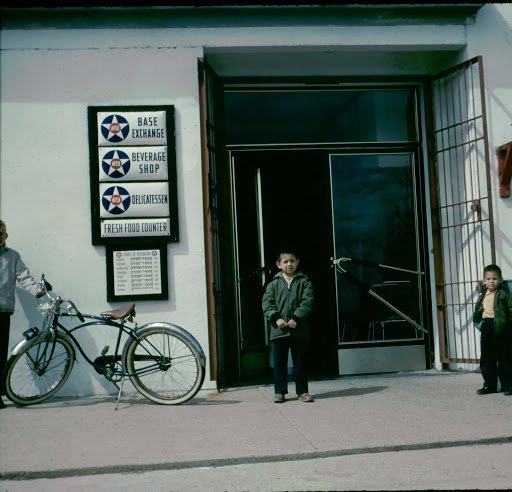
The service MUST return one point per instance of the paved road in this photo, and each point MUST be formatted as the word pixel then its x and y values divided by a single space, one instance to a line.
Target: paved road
pixel 465 468
pixel 416 430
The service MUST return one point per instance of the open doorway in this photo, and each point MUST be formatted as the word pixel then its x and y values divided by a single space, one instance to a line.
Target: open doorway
pixel 281 199
pixel 288 160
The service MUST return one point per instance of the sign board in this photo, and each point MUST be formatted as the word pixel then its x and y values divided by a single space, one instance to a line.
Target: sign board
pixel 135 228
pixel 132 161
pixel 134 200
pixel 138 127
pixel 136 273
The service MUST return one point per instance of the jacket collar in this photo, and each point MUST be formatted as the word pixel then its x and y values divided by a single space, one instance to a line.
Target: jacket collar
pixel 280 274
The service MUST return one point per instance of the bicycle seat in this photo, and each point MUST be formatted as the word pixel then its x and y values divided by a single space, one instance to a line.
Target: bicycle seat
pixel 121 313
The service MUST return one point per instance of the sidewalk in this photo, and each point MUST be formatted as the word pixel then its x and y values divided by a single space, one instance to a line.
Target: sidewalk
pixel 351 415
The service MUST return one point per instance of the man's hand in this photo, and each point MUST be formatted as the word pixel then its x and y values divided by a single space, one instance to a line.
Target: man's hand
pixel 281 323
pixel 292 324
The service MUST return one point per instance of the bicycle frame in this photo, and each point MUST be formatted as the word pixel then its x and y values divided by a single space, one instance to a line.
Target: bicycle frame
pixel 132 332
pixel 50 335
pixel 139 352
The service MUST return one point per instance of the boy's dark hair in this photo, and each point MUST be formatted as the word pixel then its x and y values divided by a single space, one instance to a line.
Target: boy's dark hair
pixel 286 251
pixel 493 268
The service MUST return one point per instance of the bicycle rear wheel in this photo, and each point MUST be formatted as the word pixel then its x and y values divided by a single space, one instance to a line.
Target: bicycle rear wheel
pixel 165 366
pixel 39 370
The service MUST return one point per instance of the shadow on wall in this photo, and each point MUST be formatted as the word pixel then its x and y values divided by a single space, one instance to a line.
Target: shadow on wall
pixel 494 43
pixel 81 382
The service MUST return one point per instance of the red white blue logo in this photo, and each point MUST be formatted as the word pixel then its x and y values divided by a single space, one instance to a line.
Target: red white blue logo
pixel 116 200
pixel 115 164
pixel 115 128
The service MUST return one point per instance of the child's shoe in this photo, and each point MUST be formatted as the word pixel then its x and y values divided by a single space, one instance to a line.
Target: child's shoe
pixel 486 391
pixel 279 399
pixel 305 397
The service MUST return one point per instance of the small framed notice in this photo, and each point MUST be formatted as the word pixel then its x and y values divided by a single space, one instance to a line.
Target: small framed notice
pixel 136 272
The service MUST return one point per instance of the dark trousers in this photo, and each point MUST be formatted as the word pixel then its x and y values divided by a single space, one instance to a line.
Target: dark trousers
pixel 298 349
pixel 5 325
pixel 495 355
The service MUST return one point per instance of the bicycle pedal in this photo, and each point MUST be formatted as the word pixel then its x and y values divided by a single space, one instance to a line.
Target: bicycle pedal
pixel 31 333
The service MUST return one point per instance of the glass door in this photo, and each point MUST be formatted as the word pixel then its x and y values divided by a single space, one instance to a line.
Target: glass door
pixel 375 222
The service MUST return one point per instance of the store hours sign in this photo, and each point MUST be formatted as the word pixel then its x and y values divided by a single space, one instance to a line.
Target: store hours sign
pixel 133 174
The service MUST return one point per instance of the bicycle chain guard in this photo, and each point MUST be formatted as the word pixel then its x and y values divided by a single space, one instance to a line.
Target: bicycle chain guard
pixel 106 366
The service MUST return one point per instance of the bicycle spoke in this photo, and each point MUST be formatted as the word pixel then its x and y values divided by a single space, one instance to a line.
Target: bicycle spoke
pixel 39 371
pixel 164 366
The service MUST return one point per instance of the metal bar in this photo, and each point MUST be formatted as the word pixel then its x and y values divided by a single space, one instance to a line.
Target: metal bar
pixel 380 265
pixel 475 154
pixel 435 195
pixel 487 159
pixel 452 243
pixel 454 125
pixel 472 141
pixel 462 194
pixel 397 311
pixel 259 213
pixel 459 224
pixel 470 223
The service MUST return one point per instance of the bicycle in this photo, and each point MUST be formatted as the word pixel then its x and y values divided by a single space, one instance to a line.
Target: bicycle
pixel 165 363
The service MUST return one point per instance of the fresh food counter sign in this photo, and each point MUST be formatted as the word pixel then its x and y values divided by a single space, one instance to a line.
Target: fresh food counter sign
pixel 133 173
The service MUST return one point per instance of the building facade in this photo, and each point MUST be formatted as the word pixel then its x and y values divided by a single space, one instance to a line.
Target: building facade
pixel 378 135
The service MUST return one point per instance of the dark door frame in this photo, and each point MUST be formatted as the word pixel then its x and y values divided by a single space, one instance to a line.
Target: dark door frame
pixel 217 203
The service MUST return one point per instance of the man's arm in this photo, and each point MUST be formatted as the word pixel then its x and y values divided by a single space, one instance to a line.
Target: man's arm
pixel 25 279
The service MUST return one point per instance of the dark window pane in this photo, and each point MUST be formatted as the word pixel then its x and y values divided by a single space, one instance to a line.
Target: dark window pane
pixel 374 220
pixel 269 117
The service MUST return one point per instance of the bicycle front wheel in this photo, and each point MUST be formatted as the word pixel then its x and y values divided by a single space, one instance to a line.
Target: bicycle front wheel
pixel 39 370
pixel 164 366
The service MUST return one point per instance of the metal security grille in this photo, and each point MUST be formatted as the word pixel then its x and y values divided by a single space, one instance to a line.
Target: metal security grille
pixel 464 222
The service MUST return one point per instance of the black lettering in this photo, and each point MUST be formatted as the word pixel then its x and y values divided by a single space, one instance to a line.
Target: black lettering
pixel 149 199
pixel 147 121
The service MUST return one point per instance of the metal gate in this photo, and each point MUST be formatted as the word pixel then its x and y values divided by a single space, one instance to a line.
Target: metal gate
pixel 463 226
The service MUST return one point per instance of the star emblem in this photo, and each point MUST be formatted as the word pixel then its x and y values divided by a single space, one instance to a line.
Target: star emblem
pixel 115 128
pixel 116 200
pixel 115 164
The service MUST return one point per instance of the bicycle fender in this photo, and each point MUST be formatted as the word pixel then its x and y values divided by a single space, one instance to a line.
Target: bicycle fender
pixel 42 336
pixel 175 328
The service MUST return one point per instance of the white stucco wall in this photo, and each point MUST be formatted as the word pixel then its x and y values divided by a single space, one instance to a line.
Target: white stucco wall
pixel 491 37
pixel 45 177
pixel 49 77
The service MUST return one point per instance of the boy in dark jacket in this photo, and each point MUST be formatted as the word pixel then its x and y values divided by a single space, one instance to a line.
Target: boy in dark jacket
pixel 287 303
pixel 493 315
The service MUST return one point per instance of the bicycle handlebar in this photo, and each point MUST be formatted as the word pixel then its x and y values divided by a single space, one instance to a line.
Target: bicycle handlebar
pixel 46 287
